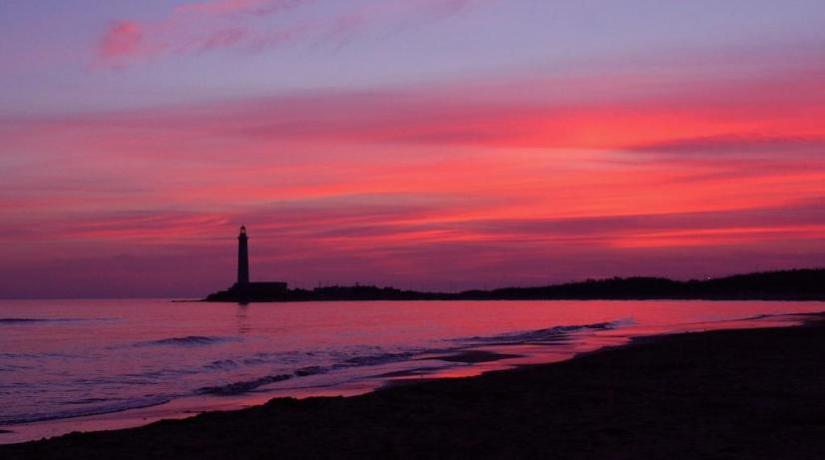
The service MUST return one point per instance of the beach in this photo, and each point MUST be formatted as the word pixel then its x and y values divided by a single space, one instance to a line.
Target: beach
pixel 751 393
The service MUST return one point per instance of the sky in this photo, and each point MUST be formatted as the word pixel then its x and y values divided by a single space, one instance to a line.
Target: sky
pixel 425 144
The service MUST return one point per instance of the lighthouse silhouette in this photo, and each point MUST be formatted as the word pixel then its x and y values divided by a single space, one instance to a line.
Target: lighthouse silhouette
pixel 244 289
pixel 243 259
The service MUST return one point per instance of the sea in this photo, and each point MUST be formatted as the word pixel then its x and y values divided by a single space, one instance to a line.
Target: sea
pixel 85 365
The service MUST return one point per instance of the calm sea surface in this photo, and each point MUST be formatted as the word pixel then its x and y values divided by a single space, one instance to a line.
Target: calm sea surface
pixel 90 364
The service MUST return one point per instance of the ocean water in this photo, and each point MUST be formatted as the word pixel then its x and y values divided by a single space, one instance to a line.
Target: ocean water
pixel 70 365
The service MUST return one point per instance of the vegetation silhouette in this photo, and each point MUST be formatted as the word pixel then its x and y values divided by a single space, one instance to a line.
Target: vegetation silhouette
pixel 802 284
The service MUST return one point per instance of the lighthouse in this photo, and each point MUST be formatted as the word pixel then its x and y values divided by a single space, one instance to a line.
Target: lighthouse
pixel 243 259
pixel 245 291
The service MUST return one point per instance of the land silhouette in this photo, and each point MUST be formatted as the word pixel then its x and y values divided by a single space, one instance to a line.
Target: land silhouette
pixel 802 284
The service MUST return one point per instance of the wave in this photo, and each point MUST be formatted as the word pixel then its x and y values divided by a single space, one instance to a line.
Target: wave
pixel 222 364
pixel 542 335
pixel 759 317
pixel 382 358
pixel 245 386
pixel 32 356
pixel 113 407
pixel 241 387
pixel 188 341
pixel 19 355
pixel 8 367
pixel 21 320
pixel 18 321
pixel 310 370
pixel 80 402
pixel 774 315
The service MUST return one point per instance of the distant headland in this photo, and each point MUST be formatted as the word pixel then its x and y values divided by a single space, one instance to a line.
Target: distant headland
pixel 800 284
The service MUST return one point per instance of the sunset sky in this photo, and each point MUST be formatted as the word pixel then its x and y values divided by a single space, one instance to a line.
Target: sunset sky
pixel 427 144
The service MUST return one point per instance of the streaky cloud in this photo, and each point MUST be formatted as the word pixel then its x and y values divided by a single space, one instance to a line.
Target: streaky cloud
pixel 240 24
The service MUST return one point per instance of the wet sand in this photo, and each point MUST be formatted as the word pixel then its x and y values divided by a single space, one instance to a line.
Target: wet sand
pixel 757 393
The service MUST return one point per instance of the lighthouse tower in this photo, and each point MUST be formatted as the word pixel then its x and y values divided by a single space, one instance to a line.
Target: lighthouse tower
pixel 244 291
pixel 243 260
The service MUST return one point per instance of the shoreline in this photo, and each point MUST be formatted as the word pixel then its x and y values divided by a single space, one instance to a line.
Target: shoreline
pixel 469 400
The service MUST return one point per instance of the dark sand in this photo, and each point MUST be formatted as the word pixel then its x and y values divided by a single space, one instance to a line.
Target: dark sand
pixel 726 394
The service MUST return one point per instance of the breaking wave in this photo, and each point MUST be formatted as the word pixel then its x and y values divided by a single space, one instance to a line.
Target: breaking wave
pixel 106 408
pixel 382 358
pixel 188 341
pixel 310 370
pixel 542 335
pixel 222 364
pixel 246 386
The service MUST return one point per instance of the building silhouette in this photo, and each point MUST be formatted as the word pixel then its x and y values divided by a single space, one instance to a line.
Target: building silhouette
pixel 245 289
pixel 243 258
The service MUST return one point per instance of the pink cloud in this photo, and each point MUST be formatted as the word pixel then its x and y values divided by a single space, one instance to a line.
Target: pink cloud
pixel 205 26
pixel 222 7
pixel 189 28
pixel 122 39
pixel 224 38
